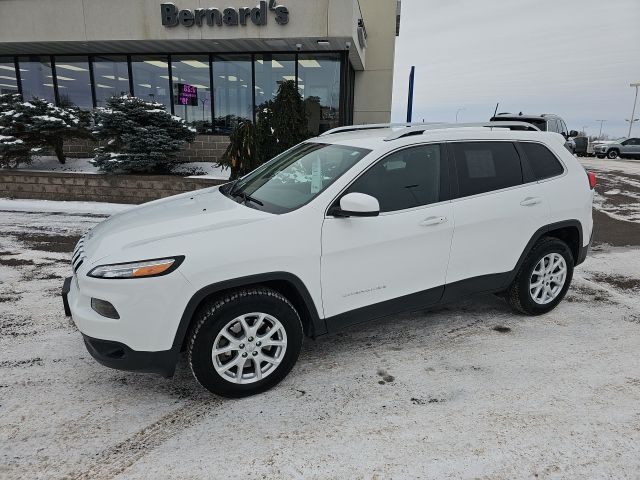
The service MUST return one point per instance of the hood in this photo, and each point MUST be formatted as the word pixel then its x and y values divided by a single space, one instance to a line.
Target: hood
pixel 179 215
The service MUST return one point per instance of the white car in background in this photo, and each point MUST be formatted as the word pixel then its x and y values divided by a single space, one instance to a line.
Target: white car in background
pixel 359 223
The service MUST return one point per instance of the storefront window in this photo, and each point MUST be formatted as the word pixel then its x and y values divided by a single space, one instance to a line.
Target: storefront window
pixel 74 82
pixel 8 82
pixel 271 71
pixel 233 100
pixel 192 90
pixel 37 78
pixel 111 78
pixel 319 84
pixel 151 79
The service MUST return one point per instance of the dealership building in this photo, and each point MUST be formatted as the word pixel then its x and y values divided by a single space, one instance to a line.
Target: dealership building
pixel 210 62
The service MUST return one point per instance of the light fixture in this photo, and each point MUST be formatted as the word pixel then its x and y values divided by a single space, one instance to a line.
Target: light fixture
pixel 166 77
pixel 195 63
pixel 112 77
pixel 309 63
pixel 99 85
pixel 145 85
pixel 71 67
pixel 324 43
pixel 4 67
pixel 199 85
pixel 7 78
pixel 60 77
pixel 291 77
pixel 8 86
pixel 157 63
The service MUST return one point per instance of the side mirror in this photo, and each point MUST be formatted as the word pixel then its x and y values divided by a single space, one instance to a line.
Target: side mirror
pixel 357 205
pixel 573 133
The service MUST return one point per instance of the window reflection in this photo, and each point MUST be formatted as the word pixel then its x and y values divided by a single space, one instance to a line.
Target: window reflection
pixel 192 90
pixel 74 82
pixel 37 78
pixel 233 100
pixel 271 71
pixel 151 79
pixel 8 81
pixel 319 85
pixel 111 78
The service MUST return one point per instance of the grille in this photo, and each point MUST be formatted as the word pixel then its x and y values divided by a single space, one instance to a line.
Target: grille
pixel 78 255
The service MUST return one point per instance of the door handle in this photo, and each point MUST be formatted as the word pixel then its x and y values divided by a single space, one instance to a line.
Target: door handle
pixel 429 221
pixel 530 201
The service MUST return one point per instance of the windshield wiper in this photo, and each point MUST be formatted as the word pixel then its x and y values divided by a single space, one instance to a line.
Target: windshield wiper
pixel 246 197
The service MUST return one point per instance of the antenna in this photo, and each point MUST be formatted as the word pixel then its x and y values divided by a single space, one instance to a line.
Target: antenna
pixel 496 110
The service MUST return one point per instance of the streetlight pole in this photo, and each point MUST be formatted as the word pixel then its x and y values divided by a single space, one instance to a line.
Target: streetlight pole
pixel 601 122
pixel 458 111
pixel 633 112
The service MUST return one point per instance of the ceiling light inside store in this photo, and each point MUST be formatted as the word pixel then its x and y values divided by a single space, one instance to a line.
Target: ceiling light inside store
pixel 4 77
pixel 145 85
pixel 274 63
pixel 291 77
pixel 9 86
pixel 157 63
pixel 99 85
pixel 309 63
pixel 11 69
pixel 199 85
pixel 71 67
pixel 195 63
pixel 60 77
pixel 112 77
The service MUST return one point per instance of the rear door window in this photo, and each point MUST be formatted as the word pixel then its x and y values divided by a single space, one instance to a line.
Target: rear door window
pixel 486 166
pixel 543 163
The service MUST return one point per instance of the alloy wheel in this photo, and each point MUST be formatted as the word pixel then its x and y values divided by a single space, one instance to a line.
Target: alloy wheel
pixel 548 278
pixel 249 348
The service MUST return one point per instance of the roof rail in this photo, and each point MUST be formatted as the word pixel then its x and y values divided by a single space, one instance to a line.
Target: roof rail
pixel 419 130
pixel 371 126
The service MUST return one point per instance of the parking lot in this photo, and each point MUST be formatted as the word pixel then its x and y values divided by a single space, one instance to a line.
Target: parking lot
pixel 468 390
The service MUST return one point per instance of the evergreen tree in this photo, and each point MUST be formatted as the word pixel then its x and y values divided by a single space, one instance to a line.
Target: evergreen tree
pixel 40 126
pixel 13 150
pixel 281 124
pixel 140 137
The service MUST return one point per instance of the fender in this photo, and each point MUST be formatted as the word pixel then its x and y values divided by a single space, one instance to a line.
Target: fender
pixel 498 282
pixel 316 326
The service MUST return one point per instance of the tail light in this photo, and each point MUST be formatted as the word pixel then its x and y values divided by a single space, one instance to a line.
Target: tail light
pixel 592 180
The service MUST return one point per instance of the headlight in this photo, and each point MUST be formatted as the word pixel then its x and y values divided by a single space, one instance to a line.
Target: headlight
pixel 143 268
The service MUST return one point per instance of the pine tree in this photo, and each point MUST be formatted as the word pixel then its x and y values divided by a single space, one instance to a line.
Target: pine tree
pixel 140 137
pixel 281 124
pixel 13 150
pixel 40 126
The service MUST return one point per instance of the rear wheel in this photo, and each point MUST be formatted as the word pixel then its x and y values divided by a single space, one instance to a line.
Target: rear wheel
pixel 245 342
pixel 543 278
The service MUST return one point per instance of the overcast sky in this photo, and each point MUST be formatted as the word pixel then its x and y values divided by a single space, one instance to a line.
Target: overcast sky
pixel 575 58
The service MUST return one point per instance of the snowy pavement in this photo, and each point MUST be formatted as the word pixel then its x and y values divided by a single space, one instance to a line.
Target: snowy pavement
pixel 469 390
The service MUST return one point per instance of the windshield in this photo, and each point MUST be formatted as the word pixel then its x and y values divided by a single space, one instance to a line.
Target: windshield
pixel 295 177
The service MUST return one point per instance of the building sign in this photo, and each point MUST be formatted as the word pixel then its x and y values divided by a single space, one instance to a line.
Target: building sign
pixel 185 94
pixel 258 15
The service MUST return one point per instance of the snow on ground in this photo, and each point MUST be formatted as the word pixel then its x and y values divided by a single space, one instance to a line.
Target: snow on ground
pixel 83 165
pixel 467 390
pixel 18 205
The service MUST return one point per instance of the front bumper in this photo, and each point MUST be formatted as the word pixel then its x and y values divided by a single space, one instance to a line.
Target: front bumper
pixel 119 356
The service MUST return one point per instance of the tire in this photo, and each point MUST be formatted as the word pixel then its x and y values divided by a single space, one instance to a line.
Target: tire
pixel 218 324
pixel 600 156
pixel 612 154
pixel 521 292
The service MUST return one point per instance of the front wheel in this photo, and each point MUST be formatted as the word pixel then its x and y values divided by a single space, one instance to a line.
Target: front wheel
pixel 244 342
pixel 543 278
pixel 612 154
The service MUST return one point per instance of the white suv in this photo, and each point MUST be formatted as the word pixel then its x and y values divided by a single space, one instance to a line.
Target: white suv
pixel 359 223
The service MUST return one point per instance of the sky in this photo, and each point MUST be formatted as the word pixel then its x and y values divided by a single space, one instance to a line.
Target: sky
pixel 574 58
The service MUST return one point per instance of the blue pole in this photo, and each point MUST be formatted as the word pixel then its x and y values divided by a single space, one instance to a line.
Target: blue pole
pixel 410 99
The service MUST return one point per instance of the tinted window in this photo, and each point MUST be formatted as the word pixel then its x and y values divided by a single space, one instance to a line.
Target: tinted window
pixel 405 179
pixel 542 161
pixel 74 82
pixel 486 166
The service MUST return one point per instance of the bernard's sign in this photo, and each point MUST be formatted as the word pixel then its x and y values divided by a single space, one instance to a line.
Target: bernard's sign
pixel 172 16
